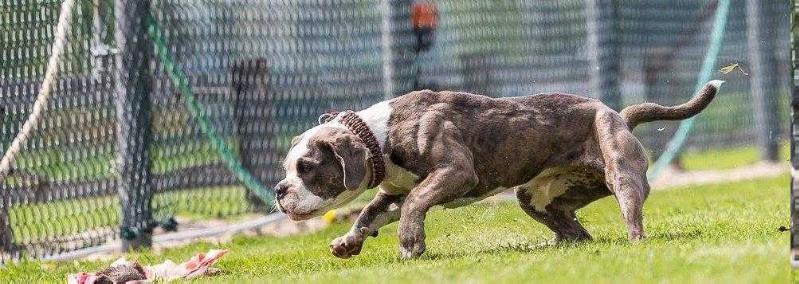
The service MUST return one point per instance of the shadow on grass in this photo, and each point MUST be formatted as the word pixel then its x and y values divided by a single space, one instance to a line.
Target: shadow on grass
pixel 677 235
pixel 526 247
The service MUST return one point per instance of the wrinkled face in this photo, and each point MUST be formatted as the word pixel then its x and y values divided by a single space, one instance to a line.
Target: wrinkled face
pixel 325 168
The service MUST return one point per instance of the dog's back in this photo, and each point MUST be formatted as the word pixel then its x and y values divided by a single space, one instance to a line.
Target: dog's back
pixel 512 138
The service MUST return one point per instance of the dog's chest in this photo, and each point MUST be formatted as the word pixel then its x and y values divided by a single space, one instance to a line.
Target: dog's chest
pixel 398 180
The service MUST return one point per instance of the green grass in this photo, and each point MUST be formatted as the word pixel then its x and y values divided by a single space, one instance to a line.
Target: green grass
pixel 727 158
pixel 715 233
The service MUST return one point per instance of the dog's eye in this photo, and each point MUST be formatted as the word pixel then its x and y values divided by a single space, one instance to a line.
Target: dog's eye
pixel 304 167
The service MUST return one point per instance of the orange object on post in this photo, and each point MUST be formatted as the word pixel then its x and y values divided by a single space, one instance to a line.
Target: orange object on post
pixel 424 14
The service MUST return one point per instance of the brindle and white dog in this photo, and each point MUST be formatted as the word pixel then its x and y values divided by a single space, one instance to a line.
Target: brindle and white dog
pixel 559 152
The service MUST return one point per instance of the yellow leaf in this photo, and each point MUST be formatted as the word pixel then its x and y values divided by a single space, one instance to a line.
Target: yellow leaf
pixel 729 68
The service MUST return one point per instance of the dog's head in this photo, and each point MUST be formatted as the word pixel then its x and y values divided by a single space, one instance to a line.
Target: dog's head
pixel 326 167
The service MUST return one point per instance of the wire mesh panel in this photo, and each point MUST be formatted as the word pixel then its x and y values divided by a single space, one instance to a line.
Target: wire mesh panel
pixel 520 47
pixel 60 194
pixel 663 47
pixel 118 152
pixel 263 71
pixel 512 48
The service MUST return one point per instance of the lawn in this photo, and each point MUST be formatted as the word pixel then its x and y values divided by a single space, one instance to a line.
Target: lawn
pixel 728 158
pixel 714 233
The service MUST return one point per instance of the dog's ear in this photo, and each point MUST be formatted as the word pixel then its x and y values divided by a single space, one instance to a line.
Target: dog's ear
pixel 351 155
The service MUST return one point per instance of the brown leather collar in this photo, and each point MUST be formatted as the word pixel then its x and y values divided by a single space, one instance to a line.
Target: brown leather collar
pixel 354 123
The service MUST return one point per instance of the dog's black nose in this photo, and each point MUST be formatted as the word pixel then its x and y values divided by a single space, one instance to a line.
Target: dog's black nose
pixel 280 190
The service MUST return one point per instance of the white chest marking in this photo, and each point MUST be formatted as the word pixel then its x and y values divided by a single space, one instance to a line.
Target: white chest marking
pixel 398 180
pixel 376 117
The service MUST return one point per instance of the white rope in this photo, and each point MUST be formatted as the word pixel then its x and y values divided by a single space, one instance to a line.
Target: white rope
pixel 40 104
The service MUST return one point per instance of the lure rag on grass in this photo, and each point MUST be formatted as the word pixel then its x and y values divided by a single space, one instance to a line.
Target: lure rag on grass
pixel 124 271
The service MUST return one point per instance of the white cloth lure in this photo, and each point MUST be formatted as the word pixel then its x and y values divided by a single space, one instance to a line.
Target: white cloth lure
pixel 124 271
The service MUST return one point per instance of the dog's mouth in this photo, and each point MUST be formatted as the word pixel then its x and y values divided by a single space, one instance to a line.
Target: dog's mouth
pixel 300 217
pixel 294 216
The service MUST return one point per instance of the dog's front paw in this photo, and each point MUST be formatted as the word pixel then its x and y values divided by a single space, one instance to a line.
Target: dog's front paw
pixel 347 245
pixel 412 244
pixel 411 240
pixel 412 251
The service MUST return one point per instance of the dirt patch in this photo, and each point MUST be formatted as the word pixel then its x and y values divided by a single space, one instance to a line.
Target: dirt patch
pixel 673 177
pixel 220 231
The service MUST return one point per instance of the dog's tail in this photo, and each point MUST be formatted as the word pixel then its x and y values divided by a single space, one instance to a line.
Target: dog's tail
pixel 646 112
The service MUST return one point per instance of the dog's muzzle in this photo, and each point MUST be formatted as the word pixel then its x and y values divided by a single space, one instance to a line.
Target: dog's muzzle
pixel 281 189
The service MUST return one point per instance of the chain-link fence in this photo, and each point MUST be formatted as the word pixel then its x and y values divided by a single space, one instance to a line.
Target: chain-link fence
pixel 512 48
pixel 118 153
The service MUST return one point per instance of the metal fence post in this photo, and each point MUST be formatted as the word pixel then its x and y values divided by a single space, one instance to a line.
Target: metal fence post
pixel 132 91
pixel 765 84
pixel 794 138
pixel 398 42
pixel 253 109
pixel 6 231
pixel 387 42
pixel 478 69
pixel 603 48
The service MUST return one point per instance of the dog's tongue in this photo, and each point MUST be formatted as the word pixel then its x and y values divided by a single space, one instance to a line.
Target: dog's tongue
pixel 123 271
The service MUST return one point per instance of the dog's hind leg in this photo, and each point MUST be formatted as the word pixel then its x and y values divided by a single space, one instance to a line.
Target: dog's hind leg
pixel 563 222
pixel 553 196
pixel 559 213
pixel 625 169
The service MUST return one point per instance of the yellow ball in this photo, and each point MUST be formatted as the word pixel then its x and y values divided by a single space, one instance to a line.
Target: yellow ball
pixel 330 216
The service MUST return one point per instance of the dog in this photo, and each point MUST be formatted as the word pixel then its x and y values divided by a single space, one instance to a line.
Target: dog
pixel 559 152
